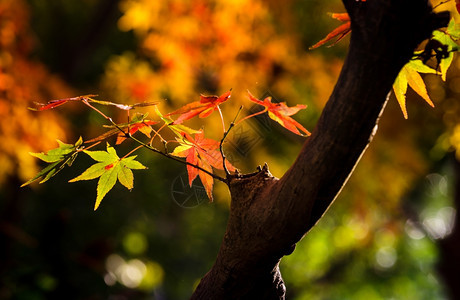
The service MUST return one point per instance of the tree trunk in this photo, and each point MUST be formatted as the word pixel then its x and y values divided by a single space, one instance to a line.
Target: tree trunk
pixel 268 216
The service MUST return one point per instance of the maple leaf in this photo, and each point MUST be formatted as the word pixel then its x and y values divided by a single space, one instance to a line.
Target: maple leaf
pixel 55 103
pixel 109 168
pixel 143 126
pixel 201 152
pixel 340 32
pixel 138 123
pixel 281 113
pixel 121 106
pixel 202 108
pixel 58 158
pixel 448 39
pixel 453 29
pixel 87 99
pixel 409 75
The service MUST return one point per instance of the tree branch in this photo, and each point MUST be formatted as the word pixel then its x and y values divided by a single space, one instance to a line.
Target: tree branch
pixel 269 216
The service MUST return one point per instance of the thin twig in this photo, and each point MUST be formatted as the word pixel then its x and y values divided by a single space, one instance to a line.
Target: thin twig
pixel 157 133
pixel 85 101
pixel 221 148
pixel 135 149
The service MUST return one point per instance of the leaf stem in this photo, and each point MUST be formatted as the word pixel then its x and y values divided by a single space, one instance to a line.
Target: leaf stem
pixel 157 132
pixel 441 3
pixel 221 118
pixel 253 115
pixel 135 149
pixel 89 147
pixel 85 101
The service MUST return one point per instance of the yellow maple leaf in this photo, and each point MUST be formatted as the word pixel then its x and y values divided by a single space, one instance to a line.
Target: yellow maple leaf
pixel 410 75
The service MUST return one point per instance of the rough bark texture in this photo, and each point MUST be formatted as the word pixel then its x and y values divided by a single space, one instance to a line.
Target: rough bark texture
pixel 269 216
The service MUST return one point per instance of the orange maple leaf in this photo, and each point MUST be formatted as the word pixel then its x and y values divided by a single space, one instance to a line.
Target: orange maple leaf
pixel 340 31
pixel 201 152
pixel 281 113
pixel 143 127
pixel 55 103
pixel 202 108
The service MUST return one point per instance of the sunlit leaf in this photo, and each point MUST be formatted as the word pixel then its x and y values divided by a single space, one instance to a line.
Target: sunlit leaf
pixel 126 177
pixel 120 106
pixel 339 33
pixel 445 39
pixel 143 126
pixel 131 163
pixel 281 113
pixel 57 154
pixel 409 75
pixel 92 172
pixel 65 154
pixel 106 182
pixel 202 108
pixel 202 152
pixel 109 168
pixel 453 29
pixel 55 103
pixel 139 123
pixel 89 98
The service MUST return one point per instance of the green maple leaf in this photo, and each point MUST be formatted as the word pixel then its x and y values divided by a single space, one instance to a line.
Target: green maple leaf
pixel 453 29
pixel 109 168
pixel 447 38
pixel 57 158
pixel 410 75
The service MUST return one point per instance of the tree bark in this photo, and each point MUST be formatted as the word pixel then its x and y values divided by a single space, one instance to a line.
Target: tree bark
pixel 268 216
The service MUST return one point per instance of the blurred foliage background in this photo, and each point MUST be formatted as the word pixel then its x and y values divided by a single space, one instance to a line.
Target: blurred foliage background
pixel 392 233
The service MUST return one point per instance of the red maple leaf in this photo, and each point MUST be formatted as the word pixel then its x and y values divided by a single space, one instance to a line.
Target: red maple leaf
pixel 457 4
pixel 281 113
pixel 143 127
pixel 202 108
pixel 340 32
pixel 55 103
pixel 201 152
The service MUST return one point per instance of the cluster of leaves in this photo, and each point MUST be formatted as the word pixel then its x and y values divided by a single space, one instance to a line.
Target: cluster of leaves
pixel 441 47
pixel 202 155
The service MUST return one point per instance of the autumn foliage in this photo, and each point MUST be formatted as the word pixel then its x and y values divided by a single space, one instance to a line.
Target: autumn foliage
pixel 202 155
pixel 446 44
pixel 20 84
